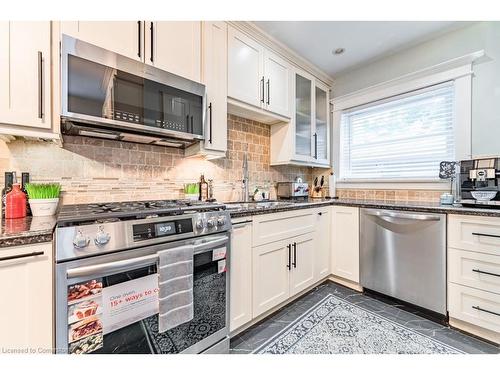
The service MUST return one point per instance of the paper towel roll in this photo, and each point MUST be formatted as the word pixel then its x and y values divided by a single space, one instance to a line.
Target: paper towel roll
pixel 332 185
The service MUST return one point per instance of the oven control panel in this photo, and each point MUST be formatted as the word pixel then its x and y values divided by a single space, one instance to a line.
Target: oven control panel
pixel 169 227
pixel 98 238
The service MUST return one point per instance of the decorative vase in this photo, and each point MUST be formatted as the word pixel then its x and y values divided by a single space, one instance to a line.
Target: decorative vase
pixel 43 207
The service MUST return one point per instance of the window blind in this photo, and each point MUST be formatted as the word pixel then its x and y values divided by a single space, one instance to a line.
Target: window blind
pixel 401 138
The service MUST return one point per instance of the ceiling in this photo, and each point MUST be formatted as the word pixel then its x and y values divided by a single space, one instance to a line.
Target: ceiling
pixel 363 41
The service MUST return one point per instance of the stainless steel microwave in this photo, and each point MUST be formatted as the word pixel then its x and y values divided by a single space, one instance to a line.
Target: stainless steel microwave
pixel 107 95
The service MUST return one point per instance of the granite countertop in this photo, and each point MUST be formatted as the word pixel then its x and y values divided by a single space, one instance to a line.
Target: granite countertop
pixel 30 230
pixel 364 203
pixel 27 230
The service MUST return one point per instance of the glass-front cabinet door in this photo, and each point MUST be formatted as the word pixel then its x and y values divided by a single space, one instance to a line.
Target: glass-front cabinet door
pixel 303 117
pixel 312 133
pixel 321 131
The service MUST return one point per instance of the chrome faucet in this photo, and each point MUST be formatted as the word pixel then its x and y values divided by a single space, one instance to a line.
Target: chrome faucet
pixel 245 190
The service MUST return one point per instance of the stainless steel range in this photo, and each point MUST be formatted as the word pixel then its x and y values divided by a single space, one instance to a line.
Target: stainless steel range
pixel 142 277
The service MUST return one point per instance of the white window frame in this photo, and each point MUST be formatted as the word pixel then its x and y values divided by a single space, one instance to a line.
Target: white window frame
pixel 457 70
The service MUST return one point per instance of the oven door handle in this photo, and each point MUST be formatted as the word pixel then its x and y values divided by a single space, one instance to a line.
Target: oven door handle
pixel 210 244
pixel 112 267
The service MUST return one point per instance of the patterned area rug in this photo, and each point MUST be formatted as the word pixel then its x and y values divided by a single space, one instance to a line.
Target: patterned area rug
pixel 335 326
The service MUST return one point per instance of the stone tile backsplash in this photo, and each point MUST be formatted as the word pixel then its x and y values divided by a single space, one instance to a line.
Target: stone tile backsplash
pixel 94 170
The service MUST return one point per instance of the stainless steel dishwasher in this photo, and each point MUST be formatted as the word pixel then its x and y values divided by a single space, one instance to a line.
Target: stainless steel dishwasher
pixel 403 255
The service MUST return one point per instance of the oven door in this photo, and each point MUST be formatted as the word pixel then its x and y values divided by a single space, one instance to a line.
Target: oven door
pixel 111 91
pixel 109 303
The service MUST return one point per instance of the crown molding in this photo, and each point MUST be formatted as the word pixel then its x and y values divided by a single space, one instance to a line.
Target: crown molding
pixel 281 49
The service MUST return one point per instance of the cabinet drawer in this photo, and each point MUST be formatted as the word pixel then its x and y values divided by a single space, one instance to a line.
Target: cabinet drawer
pixel 474 233
pixel 474 306
pixel 476 270
pixel 279 226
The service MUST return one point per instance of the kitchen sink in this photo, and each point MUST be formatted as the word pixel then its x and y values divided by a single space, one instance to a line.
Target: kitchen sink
pixel 256 205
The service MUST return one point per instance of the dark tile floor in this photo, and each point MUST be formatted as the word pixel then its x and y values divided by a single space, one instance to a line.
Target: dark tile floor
pixel 255 336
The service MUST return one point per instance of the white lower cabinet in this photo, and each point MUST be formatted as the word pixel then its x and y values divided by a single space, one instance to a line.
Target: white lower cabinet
pixel 27 316
pixel 280 270
pixel 302 267
pixel 271 276
pixel 474 274
pixel 322 239
pixel 274 258
pixel 476 307
pixel 345 242
pixel 240 271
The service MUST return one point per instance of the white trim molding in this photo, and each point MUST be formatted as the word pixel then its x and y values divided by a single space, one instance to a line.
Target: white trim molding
pixel 458 70
pixel 446 71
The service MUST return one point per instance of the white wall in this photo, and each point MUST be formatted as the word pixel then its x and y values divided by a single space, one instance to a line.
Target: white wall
pixel 485 84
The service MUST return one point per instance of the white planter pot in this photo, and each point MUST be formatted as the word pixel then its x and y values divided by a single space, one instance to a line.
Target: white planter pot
pixel 43 207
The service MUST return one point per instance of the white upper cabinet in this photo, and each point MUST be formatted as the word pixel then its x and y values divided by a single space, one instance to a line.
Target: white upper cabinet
pixel 245 69
pixel 277 84
pixel 256 76
pixel 174 46
pixel 303 117
pixel 321 124
pixel 305 140
pixel 123 37
pixel 215 78
pixel 25 75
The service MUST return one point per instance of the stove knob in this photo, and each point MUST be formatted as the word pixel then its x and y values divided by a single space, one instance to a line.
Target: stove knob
pixel 200 224
pixel 101 238
pixel 211 222
pixel 80 241
pixel 221 220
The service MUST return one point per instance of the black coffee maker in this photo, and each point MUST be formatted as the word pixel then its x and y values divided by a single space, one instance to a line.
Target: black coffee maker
pixel 480 182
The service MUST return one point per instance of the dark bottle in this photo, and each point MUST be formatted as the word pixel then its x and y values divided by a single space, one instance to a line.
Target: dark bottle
pixel 25 179
pixel 9 180
pixel 203 189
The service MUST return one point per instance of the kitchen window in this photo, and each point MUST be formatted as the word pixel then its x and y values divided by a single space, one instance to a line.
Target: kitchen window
pixel 400 138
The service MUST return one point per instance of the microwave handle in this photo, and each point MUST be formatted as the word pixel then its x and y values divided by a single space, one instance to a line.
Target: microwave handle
pixel 127 264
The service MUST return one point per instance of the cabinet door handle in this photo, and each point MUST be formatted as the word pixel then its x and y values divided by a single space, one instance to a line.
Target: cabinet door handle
pixel 315 145
pixel 210 122
pixel 151 30
pixel 484 310
pixel 262 99
pixel 486 273
pixel 289 265
pixel 139 39
pixel 33 254
pixel 295 255
pixel 268 92
pixel 485 235
pixel 40 85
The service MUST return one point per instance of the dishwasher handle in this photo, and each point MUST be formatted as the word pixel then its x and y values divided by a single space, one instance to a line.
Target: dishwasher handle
pixel 398 215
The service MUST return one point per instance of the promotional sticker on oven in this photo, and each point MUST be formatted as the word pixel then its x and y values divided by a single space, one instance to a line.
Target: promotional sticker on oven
pixel 85 328
pixel 94 311
pixel 129 302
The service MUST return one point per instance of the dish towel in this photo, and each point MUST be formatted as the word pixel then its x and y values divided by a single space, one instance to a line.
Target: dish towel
pixel 176 287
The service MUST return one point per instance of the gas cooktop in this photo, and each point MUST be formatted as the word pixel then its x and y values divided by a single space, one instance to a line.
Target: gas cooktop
pixel 117 211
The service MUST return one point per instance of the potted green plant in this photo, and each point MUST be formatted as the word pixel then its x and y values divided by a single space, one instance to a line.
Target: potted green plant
pixel 43 198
